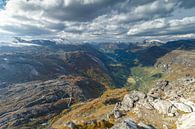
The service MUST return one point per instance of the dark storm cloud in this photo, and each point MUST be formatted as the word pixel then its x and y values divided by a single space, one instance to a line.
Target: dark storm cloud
pixel 95 19
pixel 75 10
pixel 187 3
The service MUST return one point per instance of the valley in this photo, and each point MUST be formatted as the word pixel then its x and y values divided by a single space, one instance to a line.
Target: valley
pixel 85 86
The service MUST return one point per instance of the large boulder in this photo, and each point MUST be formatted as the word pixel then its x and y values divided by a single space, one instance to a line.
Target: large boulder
pixel 137 95
pixel 159 88
pixel 186 121
pixel 164 107
pixel 189 103
pixel 127 102
pixel 183 107
pixel 145 103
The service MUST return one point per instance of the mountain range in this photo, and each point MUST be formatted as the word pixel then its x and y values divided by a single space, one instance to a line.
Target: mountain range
pixel 45 82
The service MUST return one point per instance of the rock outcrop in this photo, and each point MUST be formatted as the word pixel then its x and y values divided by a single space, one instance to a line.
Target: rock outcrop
pixel 125 124
pixel 128 123
pixel 158 100
pixel 186 121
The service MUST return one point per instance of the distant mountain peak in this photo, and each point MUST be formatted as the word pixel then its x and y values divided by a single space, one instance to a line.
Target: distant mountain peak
pixel 153 41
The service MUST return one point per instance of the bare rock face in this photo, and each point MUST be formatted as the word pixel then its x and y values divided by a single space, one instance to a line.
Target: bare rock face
pixel 189 103
pixel 166 98
pixel 183 107
pixel 138 95
pixel 186 121
pixel 147 104
pixel 164 107
pixel 127 123
pixel 160 87
pixel 127 103
pixel 131 99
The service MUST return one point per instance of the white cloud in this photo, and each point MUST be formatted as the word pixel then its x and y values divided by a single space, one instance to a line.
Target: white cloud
pixel 94 19
pixel 164 27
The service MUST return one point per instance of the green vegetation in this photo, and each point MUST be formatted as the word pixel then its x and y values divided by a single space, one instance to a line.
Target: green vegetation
pixel 142 78
pixel 119 73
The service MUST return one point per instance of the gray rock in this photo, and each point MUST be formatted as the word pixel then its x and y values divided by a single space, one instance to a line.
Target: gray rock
pixel 182 107
pixel 125 124
pixel 159 87
pixel 90 122
pixel 150 98
pixel 144 126
pixel 71 125
pixel 136 95
pixel 164 107
pixel 186 121
pixel 147 105
pixel 189 103
pixel 127 102
pixel 117 114
pixel 188 80
pixel 162 84
pixel 165 127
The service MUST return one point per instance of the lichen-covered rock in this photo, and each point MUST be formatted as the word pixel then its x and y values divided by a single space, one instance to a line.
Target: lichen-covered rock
pixel 189 103
pixel 127 102
pixel 146 104
pixel 186 121
pixel 137 95
pixel 183 107
pixel 160 87
pixel 130 100
pixel 164 107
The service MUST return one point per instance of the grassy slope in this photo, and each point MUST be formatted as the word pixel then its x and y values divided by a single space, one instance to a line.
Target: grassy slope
pixel 94 109
pixel 142 78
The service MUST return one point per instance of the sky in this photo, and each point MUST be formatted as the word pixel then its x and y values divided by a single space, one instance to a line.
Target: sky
pixel 98 20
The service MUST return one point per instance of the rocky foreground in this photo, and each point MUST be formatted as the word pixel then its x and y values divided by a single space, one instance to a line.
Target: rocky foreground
pixel 173 100
pixel 169 105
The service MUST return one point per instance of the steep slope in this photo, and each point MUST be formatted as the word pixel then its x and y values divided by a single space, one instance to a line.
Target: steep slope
pixel 177 64
pixel 33 103
pixel 47 60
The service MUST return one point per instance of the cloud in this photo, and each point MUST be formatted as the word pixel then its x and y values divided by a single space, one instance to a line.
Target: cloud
pixel 95 19
pixel 187 4
pixel 69 10
pixel 164 27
